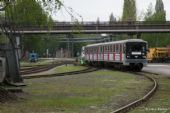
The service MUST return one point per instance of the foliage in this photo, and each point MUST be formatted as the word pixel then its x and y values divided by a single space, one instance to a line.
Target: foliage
pixel 26 13
pixel 112 18
pixel 3 39
pixel 159 14
pixel 129 10
pixel 149 13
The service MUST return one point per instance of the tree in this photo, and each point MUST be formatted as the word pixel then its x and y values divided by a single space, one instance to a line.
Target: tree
pixel 158 14
pixel 149 13
pixel 31 12
pixel 112 18
pixel 129 10
pixel 28 12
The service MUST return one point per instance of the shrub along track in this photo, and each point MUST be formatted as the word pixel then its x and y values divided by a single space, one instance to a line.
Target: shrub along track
pixel 140 101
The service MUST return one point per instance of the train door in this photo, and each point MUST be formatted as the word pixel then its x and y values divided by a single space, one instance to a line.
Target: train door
pixel 2 69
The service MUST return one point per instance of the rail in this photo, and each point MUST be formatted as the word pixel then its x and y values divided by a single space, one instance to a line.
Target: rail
pixel 87 70
pixel 138 102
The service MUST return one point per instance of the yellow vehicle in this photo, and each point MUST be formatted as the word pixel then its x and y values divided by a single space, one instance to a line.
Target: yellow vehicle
pixel 158 54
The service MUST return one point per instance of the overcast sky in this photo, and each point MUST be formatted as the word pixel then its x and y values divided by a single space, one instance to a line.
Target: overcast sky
pixel 90 10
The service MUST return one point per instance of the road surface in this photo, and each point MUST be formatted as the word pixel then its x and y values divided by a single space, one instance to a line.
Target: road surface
pixel 163 69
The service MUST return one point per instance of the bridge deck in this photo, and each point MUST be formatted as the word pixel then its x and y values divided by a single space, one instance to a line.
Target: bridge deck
pixel 94 27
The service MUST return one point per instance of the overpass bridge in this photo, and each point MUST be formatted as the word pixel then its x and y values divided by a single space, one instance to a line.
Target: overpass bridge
pixel 13 32
pixel 132 27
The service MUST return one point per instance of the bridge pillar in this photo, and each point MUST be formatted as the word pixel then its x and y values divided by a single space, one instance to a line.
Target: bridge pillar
pixel 12 61
pixel 70 45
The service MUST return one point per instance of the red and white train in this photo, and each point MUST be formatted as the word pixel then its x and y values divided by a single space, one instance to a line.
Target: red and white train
pixel 125 53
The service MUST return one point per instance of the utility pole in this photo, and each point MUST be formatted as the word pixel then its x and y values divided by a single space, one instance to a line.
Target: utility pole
pixel 72 46
pixel 68 46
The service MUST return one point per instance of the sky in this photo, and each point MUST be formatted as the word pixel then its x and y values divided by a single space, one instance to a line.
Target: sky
pixel 90 10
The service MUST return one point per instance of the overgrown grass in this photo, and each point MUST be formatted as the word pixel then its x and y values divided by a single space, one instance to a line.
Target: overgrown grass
pixel 39 62
pixel 68 68
pixel 160 103
pixel 102 91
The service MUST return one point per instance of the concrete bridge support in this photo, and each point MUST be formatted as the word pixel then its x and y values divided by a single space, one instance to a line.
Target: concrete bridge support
pixel 10 52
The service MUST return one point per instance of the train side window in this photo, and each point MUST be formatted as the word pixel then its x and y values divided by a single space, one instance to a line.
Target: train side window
pixel 98 49
pixel 95 49
pixel 108 48
pixel 120 48
pixel 111 48
pixel 103 49
pixel 117 48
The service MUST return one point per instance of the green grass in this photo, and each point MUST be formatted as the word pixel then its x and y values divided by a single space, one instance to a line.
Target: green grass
pixel 69 68
pixel 39 62
pixel 160 103
pixel 102 91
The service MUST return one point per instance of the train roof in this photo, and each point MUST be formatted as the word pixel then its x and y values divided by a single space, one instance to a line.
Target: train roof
pixel 115 42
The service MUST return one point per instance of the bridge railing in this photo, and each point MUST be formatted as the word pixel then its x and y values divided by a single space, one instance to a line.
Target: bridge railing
pixel 98 26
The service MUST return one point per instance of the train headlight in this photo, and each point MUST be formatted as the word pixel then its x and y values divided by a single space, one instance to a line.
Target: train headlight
pixel 127 56
pixel 144 56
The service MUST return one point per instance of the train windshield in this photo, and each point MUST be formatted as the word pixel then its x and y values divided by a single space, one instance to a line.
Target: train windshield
pixel 136 48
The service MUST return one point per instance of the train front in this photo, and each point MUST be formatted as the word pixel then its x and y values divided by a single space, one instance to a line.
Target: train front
pixel 135 54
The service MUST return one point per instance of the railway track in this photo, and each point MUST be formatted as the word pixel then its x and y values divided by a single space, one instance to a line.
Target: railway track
pixel 140 101
pixel 31 67
pixel 41 68
pixel 87 70
pixel 38 69
pixel 123 109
